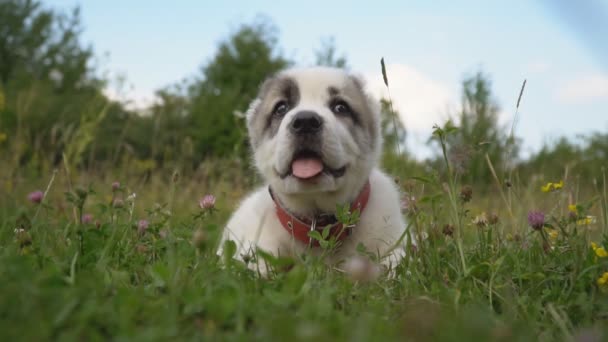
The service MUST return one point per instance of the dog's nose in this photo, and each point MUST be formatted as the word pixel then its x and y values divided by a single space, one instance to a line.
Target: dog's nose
pixel 306 122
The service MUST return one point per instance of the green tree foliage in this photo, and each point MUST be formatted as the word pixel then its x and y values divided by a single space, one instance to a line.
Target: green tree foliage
pixel 40 43
pixel 228 84
pixel 393 130
pixel 327 55
pixel 51 105
pixel 565 158
pixel 478 133
pixel 52 101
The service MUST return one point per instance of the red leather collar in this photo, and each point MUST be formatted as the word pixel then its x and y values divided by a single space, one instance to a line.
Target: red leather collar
pixel 299 227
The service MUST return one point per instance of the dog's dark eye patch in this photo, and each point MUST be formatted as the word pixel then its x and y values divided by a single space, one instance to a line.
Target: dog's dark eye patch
pixel 333 91
pixel 290 91
pixel 342 108
pixel 287 98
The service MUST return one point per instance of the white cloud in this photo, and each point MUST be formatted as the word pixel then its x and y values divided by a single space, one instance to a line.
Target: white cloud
pixel 420 100
pixel 131 99
pixel 584 89
pixel 120 89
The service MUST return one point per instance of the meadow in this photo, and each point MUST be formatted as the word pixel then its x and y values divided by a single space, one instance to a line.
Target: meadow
pixel 96 256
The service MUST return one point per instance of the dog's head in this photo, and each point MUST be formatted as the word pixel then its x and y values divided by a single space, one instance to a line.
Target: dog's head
pixel 314 130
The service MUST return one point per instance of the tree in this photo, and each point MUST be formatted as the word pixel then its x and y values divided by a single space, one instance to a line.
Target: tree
pixel 584 159
pixel 229 83
pixel 326 55
pixel 478 133
pixel 393 131
pixel 51 97
pixel 42 44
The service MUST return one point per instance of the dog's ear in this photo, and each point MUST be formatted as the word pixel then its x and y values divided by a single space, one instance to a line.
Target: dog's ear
pixel 252 115
pixel 253 106
pixel 373 109
pixel 373 103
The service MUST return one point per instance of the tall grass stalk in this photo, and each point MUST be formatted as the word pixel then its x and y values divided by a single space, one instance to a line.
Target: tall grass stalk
pixel 509 162
pixel 46 192
pixel 390 102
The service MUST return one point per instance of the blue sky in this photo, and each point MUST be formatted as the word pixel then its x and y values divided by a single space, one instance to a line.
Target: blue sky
pixel 430 46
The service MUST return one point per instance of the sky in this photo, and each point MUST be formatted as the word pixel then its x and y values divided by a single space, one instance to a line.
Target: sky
pixel 558 46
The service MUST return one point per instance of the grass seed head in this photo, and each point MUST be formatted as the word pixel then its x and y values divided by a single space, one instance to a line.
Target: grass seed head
pixel 466 193
pixel 448 230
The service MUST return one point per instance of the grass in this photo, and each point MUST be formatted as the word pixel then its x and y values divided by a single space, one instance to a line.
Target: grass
pixel 471 276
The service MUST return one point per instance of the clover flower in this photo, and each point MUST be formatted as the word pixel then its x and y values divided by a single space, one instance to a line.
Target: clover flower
pixel 86 218
pixel 142 226
pixel 35 196
pixel 115 186
pixel 536 220
pixel 207 202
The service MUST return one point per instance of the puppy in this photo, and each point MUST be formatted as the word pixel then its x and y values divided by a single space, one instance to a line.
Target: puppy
pixel 316 140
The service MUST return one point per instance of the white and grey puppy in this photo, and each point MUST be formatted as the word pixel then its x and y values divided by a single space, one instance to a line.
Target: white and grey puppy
pixel 316 140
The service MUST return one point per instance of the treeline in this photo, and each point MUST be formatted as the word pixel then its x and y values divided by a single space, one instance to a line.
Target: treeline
pixel 53 109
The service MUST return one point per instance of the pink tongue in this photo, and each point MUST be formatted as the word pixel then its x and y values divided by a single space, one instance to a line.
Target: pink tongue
pixel 306 167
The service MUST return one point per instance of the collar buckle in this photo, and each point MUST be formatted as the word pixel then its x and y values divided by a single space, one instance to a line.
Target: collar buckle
pixel 313 227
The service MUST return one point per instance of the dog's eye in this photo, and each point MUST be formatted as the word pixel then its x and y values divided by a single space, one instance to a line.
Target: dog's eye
pixel 281 108
pixel 340 107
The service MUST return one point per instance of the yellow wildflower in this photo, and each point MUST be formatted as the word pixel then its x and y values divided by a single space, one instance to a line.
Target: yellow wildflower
pixel 602 282
pixel 3 137
pixel 586 221
pixel 553 234
pixel 599 251
pixel 572 208
pixel 549 187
